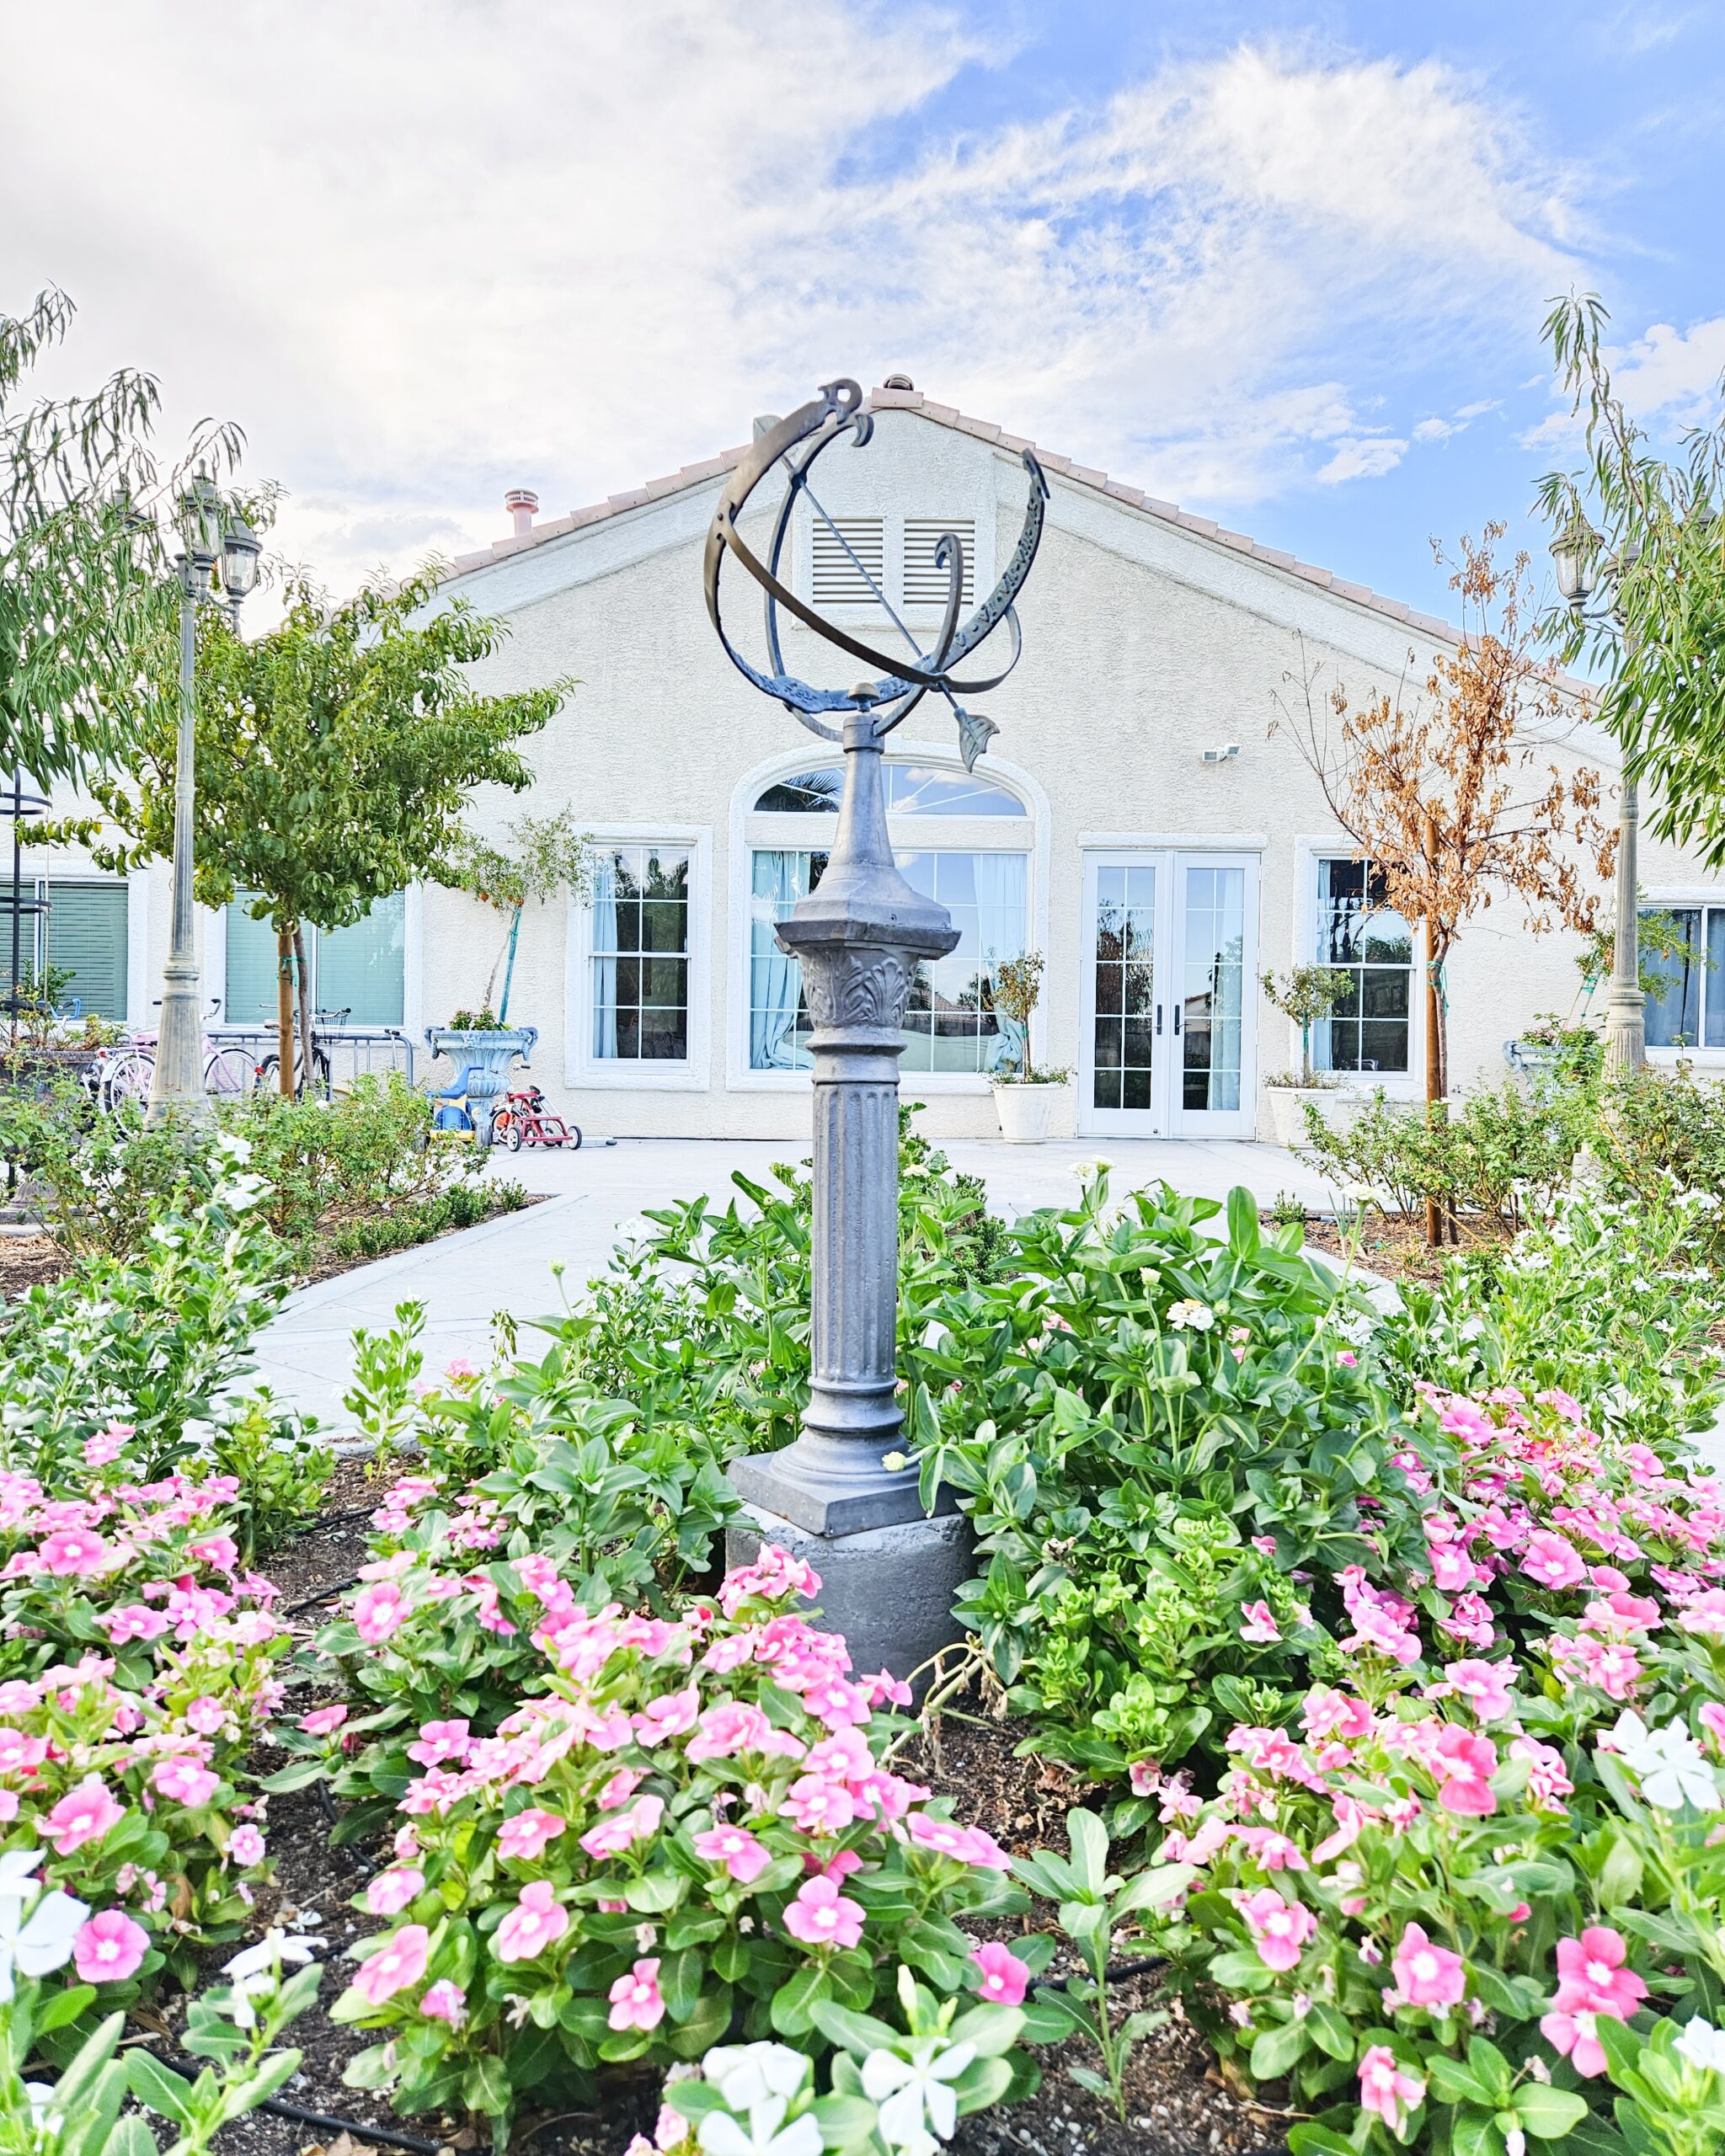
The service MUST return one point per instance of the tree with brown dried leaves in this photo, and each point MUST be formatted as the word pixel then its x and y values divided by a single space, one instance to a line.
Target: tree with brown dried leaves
pixel 1438 786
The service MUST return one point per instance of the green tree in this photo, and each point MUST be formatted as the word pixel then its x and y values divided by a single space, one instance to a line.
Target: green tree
pixel 334 756
pixel 82 568
pixel 540 856
pixel 1662 644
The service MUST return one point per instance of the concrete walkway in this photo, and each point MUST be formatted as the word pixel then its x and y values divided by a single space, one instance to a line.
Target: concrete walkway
pixel 596 1198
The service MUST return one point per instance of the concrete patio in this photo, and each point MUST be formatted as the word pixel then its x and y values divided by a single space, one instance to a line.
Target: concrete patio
pixel 595 1198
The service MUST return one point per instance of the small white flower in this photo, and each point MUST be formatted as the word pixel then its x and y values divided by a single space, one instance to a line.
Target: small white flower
pixel 720 2135
pixel 271 1951
pixel 909 2091
pixel 1670 1765
pixel 1703 2045
pixel 40 1943
pixel 1199 1316
pixel 747 2074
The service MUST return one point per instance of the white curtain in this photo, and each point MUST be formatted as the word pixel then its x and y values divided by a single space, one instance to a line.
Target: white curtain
pixel 1002 883
pixel 775 978
pixel 605 958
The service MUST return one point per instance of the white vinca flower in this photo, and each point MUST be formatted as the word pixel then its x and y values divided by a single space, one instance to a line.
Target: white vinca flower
pixel 766 2133
pixel 745 2074
pixel 1671 1767
pixel 913 2094
pixel 1703 2045
pixel 37 1944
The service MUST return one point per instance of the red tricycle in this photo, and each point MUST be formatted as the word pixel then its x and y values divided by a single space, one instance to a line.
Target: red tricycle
pixel 522 1119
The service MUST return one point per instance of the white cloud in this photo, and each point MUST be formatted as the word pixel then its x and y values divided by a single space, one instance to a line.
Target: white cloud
pixel 1672 375
pixel 425 250
pixel 1368 457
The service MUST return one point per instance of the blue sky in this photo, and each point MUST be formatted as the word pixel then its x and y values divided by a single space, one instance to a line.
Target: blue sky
pixel 1283 264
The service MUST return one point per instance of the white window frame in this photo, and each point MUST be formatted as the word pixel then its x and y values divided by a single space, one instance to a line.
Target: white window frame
pixel 751 831
pixel 1667 895
pixel 583 1071
pixel 1397 1084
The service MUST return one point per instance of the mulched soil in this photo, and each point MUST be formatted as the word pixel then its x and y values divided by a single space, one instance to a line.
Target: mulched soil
pixel 25 1261
pixel 1394 1247
pixel 1176 2103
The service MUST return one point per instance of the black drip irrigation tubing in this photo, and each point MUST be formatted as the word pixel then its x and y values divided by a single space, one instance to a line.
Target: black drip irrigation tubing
pixel 324 1594
pixel 384 2136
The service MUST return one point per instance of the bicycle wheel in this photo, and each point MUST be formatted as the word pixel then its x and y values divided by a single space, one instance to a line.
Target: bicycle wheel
pixel 506 1131
pixel 128 1079
pixel 229 1073
pixel 322 1077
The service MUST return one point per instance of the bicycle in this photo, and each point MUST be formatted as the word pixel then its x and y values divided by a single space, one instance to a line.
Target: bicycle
pixel 523 1118
pixel 270 1070
pixel 125 1073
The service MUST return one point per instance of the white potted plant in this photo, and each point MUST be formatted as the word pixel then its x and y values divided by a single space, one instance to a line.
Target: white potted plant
pixel 1306 994
pixel 1023 1096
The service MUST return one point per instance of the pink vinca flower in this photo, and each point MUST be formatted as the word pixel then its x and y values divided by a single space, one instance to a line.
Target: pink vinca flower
pixel 742 1856
pixel 1428 1975
pixel 439 1741
pixel 635 2002
pixel 1385 2088
pixel 1260 1627
pixel 1004 1978
pixel 1279 1928
pixel 524 1836
pixel 323 1721
pixel 444 2002
pixel 245 1847
pixel 109 1948
pixel 1591 1973
pixel 84 1814
pixel 969 1845
pixel 389 1893
pixel 399 1961
pixel 73 1551
pixel 611 1835
pixel 818 1807
pixel 1485 1686
pixel 672 1715
pixel 185 1782
pixel 1465 1764
pixel 536 1922
pixel 821 1916
pixel 379 1612
pixel 1552 1561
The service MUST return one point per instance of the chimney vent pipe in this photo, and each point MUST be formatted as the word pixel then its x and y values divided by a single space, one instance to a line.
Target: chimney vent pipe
pixel 523 505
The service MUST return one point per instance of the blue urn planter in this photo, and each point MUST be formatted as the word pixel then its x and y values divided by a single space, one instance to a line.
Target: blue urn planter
pixel 486 1058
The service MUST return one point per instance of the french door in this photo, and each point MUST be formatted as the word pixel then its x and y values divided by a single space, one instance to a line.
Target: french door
pixel 1167 1046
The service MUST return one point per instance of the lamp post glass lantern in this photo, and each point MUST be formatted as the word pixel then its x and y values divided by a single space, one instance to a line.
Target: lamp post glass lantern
pixel 889 1567
pixel 210 534
pixel 1581 566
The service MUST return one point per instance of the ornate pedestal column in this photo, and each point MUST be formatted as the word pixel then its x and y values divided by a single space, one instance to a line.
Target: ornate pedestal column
pixel 888 1573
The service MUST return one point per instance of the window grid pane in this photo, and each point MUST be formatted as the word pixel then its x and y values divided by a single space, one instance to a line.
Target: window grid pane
pixel 1125 962
pixel 950 1024
pixel 1368 1029
pixel 1673 1009
pixel 641 955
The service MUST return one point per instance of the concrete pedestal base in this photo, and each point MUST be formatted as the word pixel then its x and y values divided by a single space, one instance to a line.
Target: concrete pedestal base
pixel 889 1590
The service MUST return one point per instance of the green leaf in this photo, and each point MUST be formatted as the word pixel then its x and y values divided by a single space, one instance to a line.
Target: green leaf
pixel 153 2084
pixel 1550 2113
pixel 1242 1222
pixel 1151 1889
pixel 790 2009
pixel 1311 2139
pixel 64 2006
pixel 485 2087
pixel 1475 2133
pixel 1277 2049
pixel 859 2033
pixel 1090 1851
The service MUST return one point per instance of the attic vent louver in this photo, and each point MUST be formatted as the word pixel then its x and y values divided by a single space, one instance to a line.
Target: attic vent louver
pixel 926 585
pixel 839 580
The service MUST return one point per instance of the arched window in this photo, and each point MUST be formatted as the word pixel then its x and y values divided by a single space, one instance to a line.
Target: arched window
pixel 980 876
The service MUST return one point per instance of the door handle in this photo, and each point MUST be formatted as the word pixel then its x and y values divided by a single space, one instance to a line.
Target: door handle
pixel 1158 1017
pixel 1177 1021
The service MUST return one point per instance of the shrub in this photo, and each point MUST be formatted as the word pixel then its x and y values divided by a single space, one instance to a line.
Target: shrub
pixel 1495 1159
pixel 1611 1303
pixel 707 1320
pixel 691 1829
pixel 154 1342
pixel 1167 1442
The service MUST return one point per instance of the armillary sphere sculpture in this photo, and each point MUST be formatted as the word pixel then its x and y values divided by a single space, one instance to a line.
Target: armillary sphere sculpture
pixel 860 937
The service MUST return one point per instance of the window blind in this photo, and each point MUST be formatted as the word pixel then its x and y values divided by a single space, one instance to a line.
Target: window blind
pixel 86 934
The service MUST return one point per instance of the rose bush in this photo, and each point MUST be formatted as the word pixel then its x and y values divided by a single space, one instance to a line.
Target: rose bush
pixel 689 1832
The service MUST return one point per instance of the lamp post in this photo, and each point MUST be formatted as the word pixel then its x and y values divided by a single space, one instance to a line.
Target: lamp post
pixel 209 533
pixel 1581 567
pixel 840 1495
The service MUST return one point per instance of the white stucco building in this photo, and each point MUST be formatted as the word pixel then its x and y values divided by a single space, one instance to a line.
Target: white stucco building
pixel 1159 882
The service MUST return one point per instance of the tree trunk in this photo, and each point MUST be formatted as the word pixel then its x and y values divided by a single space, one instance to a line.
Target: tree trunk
pixel 1434 1091
pixel 305 988
pixel 515 930
pixel 283 1011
